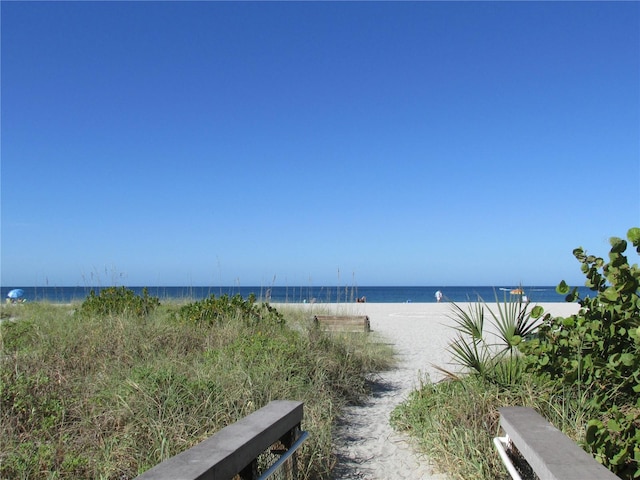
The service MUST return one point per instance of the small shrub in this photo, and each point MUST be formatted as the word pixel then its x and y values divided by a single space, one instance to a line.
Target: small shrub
pixel 117 301
pixel 214 310
pixel 17 335
pixel 30 400
pixel 493 355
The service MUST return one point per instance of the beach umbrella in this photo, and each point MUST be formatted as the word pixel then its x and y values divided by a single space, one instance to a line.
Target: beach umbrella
pixel 15 293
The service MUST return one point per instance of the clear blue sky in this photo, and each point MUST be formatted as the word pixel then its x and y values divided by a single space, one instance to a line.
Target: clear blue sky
pixel 286 143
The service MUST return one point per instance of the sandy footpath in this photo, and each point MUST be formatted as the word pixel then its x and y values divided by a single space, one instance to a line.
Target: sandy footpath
pixel 367 447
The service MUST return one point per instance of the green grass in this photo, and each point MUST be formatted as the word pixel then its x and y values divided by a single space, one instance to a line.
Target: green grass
pixel 110 396
pixel 454 421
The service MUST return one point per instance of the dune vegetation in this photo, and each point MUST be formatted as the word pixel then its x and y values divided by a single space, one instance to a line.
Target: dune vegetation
pixel 581 372
pixel 112 386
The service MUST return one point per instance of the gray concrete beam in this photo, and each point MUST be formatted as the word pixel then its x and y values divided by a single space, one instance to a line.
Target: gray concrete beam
pixel 551 454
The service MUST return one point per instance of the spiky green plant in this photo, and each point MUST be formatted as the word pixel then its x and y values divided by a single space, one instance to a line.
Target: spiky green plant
pixel 492 354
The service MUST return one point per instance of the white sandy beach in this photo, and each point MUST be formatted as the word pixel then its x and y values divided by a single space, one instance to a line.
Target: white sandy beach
pixel 367 447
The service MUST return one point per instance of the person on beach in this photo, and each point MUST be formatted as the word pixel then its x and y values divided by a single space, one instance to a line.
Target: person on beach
pixel 438 296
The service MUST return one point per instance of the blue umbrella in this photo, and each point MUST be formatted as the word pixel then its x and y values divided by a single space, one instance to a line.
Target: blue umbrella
pixel 15 293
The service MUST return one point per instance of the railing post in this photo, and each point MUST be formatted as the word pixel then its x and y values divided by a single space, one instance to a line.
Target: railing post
pixel 250 472
pixel 287 441
pixel 290 437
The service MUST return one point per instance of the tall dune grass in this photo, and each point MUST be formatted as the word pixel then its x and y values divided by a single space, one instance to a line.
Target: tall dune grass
pixel 111 396
pixel 454 421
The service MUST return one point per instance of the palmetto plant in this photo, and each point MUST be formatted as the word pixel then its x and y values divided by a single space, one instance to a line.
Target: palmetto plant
pixel 492 354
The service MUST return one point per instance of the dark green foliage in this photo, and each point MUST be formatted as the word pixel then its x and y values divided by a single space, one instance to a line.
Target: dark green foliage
pixel 214 310
pixel 597 351
pixel 17 335
pixel 118 300
pixel 29 400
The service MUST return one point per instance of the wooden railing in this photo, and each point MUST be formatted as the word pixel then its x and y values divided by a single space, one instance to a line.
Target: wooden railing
pixel 543 449
pixel 241 449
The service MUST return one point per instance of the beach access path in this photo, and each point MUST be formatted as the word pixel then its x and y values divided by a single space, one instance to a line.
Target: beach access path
pixel 367 447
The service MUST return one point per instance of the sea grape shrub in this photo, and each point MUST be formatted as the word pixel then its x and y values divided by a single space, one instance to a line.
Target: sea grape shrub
pixel 597 351
pixel 216 310
pixel 117 301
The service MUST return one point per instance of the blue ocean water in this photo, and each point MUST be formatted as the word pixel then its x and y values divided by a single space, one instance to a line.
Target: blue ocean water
pixel 302 294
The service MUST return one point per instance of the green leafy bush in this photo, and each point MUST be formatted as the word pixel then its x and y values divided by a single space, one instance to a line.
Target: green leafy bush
pixel 597 352
pixel 118 300
pixel 214 310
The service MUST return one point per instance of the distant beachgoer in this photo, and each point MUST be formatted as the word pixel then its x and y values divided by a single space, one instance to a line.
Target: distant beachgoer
pixel 362 299
pixel 438 296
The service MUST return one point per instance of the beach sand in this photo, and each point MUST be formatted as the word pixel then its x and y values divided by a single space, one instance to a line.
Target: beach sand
pixel 367 447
